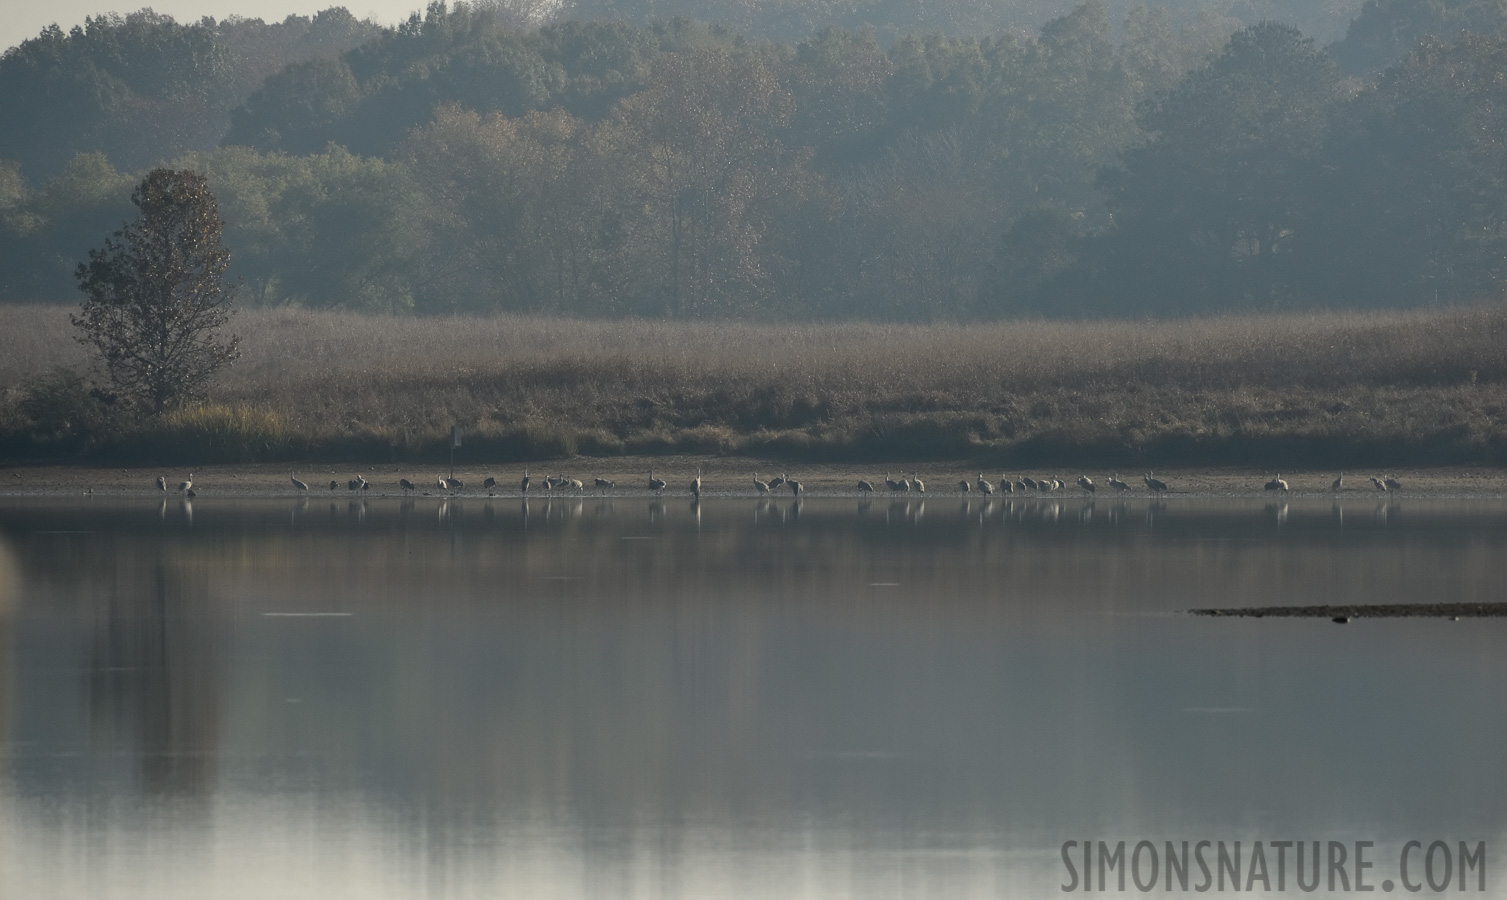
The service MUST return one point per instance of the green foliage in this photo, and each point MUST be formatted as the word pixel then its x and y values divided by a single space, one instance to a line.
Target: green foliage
pixel 297 108
pixel 353 233
pixel 249 189
pixel 14 218
pixel 62 412
pixel 54 226
pixel 1210 209
pixel 1418 165
pixel 142 88
pixel 142 85
pixel 1387 30
pixel 484 158
pixel 156 296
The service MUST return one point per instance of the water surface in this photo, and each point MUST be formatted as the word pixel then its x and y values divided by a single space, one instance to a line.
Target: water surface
pixel 637 697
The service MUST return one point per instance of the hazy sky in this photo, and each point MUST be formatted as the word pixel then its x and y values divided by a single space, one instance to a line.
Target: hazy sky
pixel 26 19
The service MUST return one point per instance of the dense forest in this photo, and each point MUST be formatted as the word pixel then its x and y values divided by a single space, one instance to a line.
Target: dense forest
pixel 790 160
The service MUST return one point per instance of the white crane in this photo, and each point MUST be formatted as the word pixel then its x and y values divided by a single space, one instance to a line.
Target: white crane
pixel 696 483
pixel 296 483
pixel 1277 483
pixel 185 486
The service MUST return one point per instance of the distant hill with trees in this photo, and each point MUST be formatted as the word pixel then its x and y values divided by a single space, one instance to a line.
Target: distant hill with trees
pixel 890 161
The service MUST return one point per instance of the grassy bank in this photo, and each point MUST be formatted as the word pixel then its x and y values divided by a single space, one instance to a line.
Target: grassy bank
pixel 1324 391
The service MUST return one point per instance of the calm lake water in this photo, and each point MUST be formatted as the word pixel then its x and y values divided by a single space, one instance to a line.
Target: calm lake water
pixel 605 698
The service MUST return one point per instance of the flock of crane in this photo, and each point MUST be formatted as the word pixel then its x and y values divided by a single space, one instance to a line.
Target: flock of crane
pixel 560 484
pixel 1385 485
pixel 1006 485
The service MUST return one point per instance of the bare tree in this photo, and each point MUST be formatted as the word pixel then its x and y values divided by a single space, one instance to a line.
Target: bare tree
pixel 157 294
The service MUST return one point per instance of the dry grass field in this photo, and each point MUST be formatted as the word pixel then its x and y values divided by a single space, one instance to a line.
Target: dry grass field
pixel 1280 391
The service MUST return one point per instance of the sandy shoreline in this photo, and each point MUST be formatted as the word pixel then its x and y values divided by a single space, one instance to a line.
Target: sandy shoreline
pixel 720 476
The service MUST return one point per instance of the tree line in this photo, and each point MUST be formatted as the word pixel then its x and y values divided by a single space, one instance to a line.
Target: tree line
pixel 471 160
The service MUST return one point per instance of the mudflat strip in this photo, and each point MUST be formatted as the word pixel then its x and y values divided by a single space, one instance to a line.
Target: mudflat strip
pixel 733 475
pixel 1365 611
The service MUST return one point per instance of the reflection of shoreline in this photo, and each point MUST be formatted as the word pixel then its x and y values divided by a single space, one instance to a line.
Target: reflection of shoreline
pixel 153 688
pixel 10 590
pixel 1133 555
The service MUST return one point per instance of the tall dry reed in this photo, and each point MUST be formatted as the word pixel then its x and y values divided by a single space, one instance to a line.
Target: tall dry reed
pixel 1422 385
